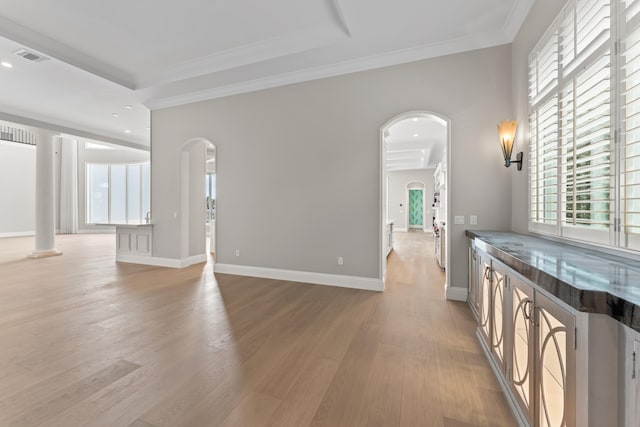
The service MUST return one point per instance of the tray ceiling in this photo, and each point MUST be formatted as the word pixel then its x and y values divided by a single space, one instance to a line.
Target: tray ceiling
pixel 164 53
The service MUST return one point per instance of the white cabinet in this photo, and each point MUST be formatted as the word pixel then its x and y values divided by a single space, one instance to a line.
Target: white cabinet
pixel 631 378
pixel 530 340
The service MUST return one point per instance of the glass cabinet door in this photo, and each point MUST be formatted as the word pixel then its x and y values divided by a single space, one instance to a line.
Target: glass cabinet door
pixel 485 297
pixel 522 336
pixel 497 313
pixel 556 364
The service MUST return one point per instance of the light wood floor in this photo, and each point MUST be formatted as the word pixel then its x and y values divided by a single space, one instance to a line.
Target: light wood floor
pixel 88 342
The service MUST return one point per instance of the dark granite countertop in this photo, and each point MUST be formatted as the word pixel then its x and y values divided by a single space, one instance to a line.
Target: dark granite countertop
pixel 587 280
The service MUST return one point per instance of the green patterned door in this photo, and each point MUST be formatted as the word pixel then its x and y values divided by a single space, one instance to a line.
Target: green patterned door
pixel 415 208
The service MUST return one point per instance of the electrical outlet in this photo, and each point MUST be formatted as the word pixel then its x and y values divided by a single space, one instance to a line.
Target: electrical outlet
pixel 459 219
pixel 340 261
pixel 237 252
pixel 473 220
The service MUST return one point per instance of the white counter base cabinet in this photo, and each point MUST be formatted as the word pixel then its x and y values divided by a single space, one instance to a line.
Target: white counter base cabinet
pixel 529 339
pixel 133 242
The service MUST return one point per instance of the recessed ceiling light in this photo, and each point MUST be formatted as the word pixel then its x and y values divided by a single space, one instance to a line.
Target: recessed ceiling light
pixel 128 107
pixel 415 119
pixel 6 64
pixel 127 131
pixel 116 115
pixel 415 134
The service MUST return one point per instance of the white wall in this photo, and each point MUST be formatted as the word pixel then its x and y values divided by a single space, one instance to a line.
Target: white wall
pixel 299 165
pixel 17 188
pixel 397 195
pixel 540 17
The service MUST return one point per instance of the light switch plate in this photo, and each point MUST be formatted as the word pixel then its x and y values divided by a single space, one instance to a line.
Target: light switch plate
pixel 473 220
pixel 458 219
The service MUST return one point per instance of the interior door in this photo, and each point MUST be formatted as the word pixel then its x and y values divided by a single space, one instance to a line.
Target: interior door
pixel 416 208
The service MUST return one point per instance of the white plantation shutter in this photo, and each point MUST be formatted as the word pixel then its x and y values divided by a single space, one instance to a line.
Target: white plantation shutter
pixel 630 102
pixel 543 167
pixel 586 148
pixel 571 125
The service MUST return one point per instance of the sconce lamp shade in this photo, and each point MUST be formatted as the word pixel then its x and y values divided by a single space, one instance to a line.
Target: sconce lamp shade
pixel 507 135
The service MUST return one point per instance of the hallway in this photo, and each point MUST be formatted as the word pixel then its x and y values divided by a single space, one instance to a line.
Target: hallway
pixel 86 341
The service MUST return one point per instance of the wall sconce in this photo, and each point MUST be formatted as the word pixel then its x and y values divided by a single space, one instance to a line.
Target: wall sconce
pixel 507 134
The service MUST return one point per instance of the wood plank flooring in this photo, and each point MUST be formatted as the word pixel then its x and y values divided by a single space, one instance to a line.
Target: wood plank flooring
pixel 88 342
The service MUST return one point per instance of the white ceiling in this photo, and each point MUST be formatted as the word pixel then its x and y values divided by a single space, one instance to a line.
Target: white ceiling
pixel 160 53
pixel 415 143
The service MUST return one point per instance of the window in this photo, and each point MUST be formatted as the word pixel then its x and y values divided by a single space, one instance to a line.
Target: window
pixel 584 119
pixel 117 194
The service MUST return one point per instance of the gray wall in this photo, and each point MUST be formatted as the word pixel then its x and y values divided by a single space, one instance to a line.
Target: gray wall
pixel 299 166
pixel 540 17
pixel 397 194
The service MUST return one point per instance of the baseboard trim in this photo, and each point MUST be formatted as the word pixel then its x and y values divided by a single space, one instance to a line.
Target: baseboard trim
pixel 520 417
pixel 455 293
pixel 161 262
pixel 353 282
pixel 17 234
pixel 400 229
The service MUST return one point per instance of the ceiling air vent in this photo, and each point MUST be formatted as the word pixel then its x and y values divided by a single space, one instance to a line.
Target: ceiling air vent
pixel 31 56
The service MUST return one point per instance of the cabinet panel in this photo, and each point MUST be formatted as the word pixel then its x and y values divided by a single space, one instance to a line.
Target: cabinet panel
pixel 556 363
pixel 474 286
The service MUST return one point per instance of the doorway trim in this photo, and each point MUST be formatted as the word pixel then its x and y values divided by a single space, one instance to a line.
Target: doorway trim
pixel 382 209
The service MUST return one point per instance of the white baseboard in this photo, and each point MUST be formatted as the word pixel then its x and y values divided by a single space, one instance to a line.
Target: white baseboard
pixel 399 229
pixel 18 234
pixel 161 262
pixel 520 417
pixel 455 293
pixel 354 282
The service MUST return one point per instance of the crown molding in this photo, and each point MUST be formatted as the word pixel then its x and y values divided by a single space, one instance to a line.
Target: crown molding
pixel 403 56
pixel 516 17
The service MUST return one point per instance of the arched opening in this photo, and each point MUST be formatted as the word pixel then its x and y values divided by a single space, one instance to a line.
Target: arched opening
pixel 414 151
pixel 195 156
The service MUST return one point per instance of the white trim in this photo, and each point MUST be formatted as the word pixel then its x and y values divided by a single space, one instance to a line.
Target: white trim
pixel 403 56
pixel 162 262
pixel 17 234
pixel 353 282
pixel 520 417
pixel 455 293
pixel 400 229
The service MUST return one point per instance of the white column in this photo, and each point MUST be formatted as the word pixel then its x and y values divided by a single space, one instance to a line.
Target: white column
pixel 45 197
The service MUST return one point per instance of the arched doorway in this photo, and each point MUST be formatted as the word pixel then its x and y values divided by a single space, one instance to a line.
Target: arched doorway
pixel 398 159
pixel 193 202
